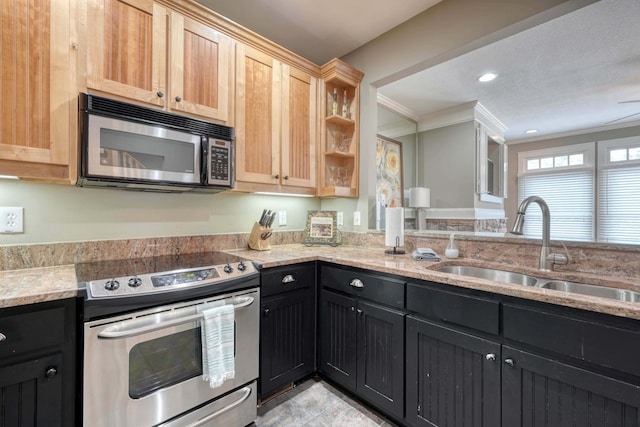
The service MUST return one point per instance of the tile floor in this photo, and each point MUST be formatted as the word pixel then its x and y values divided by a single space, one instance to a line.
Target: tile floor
pixel 316 403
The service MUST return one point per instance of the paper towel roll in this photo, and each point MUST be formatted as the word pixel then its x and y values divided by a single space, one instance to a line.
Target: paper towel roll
pixel 394 227
pixel 419 197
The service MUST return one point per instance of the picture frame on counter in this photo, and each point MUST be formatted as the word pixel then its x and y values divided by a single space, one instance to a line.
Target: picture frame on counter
pixel 322 228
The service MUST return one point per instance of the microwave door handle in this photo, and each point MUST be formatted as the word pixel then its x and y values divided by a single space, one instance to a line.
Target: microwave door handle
pixel 203 421
pixel 116 331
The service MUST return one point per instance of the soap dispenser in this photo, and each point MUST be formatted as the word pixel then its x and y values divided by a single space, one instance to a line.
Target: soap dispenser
pixel 452 249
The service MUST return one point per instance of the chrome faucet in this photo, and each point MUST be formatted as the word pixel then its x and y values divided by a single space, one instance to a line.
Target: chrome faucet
pixel 547 259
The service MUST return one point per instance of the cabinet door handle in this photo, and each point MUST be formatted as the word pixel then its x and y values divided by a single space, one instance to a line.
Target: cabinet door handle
pixel 356 283
pixel 50 373
pixel 490 356
pixel 277 177
pixel 286 177
pixel 353 308
pixel 2 337
pixel 160 94
pixel 288 279
pixel 509 361
pixel 266 312
pixel 178 99
pixel 359 312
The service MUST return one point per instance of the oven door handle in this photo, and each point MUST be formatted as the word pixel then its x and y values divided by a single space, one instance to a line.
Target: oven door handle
pixel 118 331
pixel 203 421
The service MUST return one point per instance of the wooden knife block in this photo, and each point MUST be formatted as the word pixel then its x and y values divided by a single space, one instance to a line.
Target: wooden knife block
pixel 255 238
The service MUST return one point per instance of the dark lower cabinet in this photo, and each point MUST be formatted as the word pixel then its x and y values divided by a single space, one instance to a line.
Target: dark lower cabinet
pixel 31 393
pixel 287 327
pixel 537 391
pixel 362 348
pixel 453 378
pixel 37 360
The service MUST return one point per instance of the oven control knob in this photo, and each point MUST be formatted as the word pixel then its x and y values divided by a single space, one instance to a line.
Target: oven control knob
pixel 112 285
pixel 242 266
pixel 228 269
pixel 134 282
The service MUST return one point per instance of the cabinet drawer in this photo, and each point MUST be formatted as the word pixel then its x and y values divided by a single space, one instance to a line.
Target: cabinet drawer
pixel 464 310
pixel 25 332
pixel 591 341
pixel 382 289
pixel 289 278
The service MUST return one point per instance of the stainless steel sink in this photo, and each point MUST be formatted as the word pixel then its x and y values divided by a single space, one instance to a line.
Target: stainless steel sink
pixel 592 290
pixel 489 274
pixel 506 276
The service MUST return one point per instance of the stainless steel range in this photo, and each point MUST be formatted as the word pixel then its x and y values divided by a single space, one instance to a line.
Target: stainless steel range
pixel 142 351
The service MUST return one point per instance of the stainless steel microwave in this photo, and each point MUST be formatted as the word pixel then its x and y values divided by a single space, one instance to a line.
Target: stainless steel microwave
pixel 136 148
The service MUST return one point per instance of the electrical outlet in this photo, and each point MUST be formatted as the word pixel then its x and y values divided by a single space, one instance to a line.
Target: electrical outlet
pixel 11 220
pixel 282 218
pixel 356 218
pixel 340 218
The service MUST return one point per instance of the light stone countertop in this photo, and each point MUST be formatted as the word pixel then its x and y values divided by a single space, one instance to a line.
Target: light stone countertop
pixel 28 286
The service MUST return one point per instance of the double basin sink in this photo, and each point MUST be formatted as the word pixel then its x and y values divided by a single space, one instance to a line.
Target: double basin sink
pixel 505 276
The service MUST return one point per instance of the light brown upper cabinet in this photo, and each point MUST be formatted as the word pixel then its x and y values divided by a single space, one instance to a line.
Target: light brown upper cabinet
pixel 128 57
pixel 339 163
pixel 39 97
pixel 276 125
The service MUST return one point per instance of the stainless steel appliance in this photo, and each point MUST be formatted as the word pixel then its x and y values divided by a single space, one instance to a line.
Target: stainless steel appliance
pixel 142 346
pixel 138 148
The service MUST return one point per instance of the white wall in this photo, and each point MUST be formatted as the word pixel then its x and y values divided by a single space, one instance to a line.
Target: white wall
pixel 59 213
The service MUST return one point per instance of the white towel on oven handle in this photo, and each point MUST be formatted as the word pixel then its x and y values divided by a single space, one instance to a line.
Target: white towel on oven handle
pixel 218 344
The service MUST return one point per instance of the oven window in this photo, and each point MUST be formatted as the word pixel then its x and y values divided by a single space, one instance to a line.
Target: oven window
pixel 164 361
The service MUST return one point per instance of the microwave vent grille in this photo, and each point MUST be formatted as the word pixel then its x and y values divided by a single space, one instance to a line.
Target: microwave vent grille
pixel 110 107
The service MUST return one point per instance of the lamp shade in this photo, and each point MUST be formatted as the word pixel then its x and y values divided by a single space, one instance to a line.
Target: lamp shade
pixel 419 197
pixel 394 227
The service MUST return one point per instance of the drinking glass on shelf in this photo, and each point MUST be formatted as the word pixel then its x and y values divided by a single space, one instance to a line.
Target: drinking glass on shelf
pixel 346 145
pixel 331 176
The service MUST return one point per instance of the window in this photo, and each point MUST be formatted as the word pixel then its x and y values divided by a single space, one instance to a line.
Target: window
pixel 564 178
pixel 619 190
pixel 567 178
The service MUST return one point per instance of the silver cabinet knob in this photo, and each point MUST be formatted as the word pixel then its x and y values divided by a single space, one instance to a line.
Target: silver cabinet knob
pixel 359 312
pixel 509 361
pixel 178 98
pixel 2 337
pixel 356 283
pixel 490 356
pixel 288 279
pixel 160 94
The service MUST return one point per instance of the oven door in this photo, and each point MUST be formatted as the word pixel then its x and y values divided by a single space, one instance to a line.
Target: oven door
pixel 146 368
pixel 127 150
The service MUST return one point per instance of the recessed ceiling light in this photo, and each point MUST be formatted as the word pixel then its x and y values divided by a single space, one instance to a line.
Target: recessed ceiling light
pixel 487 77
pixel 531 131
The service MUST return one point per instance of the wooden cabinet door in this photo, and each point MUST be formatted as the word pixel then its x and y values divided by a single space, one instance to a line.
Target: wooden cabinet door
pixel 337 338
pixel 258 79
pixel 32 392
pixel 537 391
pixel 299 128
pixel 286 339
pixel 38 104
pixel 453 378
pixel 380 368
pixel 199 67
pixel 127 49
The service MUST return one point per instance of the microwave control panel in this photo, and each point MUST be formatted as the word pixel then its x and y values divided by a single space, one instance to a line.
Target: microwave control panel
pixel 219 162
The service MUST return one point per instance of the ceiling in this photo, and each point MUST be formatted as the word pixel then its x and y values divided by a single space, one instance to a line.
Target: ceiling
pixel 319 30
pixel 564 76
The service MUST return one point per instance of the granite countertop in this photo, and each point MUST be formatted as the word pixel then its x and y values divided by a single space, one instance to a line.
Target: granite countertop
pixel 21 287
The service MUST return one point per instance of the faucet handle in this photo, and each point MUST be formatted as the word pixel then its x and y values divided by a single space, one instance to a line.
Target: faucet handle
pixel 562 259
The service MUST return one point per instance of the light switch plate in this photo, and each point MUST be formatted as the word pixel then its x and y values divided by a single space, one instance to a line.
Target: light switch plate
pixel 340 218
pixel 11 220
pixel 282 218
pixel 356 218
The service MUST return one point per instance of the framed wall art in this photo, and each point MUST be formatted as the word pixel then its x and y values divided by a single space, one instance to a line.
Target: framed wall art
pixel 389 185
pixel 322 228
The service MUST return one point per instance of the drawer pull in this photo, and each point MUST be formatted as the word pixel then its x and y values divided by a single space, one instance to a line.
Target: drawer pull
pixel 50 373
pixel 509 362
pixel 490 357
pixel 2 337
pixel 356 283
pixel 288 279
